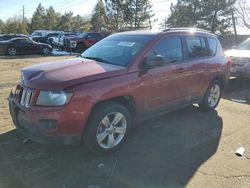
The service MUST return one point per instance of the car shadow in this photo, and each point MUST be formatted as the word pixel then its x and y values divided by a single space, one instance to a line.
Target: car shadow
pixel 238 90
pixel 163 152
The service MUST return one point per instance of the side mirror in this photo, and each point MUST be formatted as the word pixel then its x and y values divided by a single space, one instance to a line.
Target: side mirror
pixel 155 61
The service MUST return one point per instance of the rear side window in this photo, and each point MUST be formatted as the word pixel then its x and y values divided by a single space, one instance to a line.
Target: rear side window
pixel 212 43
pixel 170 48
pixel 194 47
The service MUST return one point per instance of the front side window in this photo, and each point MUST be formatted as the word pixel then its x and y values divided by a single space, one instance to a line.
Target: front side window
pixel 194 47
pixel 22 41
pixel 170 48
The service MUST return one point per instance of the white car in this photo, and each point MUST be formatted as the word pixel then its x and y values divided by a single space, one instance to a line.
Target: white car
pixel 240 57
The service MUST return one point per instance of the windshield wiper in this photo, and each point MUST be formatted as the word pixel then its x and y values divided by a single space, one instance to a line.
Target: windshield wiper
pixel 97 59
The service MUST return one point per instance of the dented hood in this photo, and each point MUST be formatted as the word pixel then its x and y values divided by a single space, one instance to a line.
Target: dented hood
pixel 62 74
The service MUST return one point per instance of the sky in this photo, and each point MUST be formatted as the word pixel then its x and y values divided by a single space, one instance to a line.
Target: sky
pixel 10 8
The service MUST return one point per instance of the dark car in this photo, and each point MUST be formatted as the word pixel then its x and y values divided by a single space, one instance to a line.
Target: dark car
pixel 125 78
pixel 23 46
pixel 82 41
pixel 11 36
pixel 240 56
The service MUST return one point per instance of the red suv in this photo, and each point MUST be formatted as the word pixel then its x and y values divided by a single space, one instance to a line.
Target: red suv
pixel 124 78
pixel 80 42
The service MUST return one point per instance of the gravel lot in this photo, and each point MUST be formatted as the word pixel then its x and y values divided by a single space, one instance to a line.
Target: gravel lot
pixel 185 148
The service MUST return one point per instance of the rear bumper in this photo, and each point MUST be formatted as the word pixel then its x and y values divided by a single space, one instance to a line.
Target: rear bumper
pixel 33 129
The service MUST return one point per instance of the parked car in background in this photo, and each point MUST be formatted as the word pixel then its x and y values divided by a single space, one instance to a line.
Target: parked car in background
pixel 81 41
pixel 39 33
pixel 58 41
pixel 124 78
pixel 240 56
pixel 11 36
pixel 44 39
pixel 23 46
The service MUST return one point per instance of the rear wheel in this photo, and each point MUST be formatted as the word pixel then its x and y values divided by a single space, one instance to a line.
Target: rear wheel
pixel 11 51
pixel 212 96
pixel 108 128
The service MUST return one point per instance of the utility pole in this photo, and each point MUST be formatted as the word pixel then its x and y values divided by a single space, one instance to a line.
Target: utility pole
pixel 234 25
pixel 23 13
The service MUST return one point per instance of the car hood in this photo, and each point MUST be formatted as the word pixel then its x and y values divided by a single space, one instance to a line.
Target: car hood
pixel 62 74
pixel 238 53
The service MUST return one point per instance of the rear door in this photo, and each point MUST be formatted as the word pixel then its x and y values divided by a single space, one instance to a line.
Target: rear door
pixel 195 47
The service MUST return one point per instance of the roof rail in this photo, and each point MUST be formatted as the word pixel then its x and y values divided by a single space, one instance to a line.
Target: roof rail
pixel 186 28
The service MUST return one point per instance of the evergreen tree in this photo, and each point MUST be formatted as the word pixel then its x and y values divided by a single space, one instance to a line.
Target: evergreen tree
pixel 99 18
pixel 129 14
pixel 115 14
pixel 1 26
pixel 212 15
pixel 15 25
pixel 51 19
pixel 140 13
pixel 65 23
pixel 80 23
pixel 38 19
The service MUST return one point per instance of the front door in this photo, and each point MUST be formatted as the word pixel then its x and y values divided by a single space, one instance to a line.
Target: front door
pixel 165 86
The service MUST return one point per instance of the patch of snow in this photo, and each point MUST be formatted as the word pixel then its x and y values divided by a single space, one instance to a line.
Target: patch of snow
pixel 56 52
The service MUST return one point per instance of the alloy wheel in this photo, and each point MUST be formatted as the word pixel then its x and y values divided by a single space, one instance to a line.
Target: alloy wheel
pixel 46 51
pixel 111 130
pixel 214 95
pixel 12 51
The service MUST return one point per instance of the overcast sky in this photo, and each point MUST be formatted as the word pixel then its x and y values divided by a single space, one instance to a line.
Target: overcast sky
pixel 10 8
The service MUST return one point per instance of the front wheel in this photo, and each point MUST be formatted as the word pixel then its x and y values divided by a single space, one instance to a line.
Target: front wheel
pixel 45 51
pixel 212 96
pixel 11 51
pixel 108 128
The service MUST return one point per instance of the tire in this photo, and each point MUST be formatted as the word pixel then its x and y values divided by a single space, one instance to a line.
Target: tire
pixel 103 134
pixel 80 48
pixel 212 96
pixel 46 51
pixel 11 51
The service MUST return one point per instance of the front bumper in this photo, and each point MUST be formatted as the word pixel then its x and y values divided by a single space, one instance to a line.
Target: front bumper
pixel 30 125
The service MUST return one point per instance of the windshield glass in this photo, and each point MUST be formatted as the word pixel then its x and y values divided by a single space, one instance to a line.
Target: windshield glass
pixel 117 50
pixel 245 45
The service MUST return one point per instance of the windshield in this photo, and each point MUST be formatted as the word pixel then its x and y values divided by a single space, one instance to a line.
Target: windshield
pixel 117 50
pixel 245 45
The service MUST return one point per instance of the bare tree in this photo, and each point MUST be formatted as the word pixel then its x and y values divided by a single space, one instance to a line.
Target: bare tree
pixel 242 12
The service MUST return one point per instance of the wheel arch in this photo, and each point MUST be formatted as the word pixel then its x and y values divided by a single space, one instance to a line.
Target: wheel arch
pixel 126 100
pixel 221 79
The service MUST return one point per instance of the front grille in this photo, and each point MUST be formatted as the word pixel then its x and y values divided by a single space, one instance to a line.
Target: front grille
pixel 26 97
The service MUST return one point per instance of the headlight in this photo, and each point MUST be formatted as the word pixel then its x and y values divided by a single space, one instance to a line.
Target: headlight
pixel 53 98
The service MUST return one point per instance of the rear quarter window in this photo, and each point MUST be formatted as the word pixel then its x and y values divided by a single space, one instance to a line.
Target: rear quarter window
pixel 212 43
